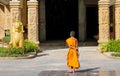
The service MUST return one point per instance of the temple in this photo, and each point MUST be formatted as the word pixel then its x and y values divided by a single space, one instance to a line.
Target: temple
pixel 46 20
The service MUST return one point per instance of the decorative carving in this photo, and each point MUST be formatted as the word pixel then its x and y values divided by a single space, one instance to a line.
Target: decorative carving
pixel 33 0
pixel 32 17
pixel 117 20
pixel 14 0
pixel 17 33
pixel 32 24
pixel 104 16
pixel 104 34
pixel 33 20
pixel 14 15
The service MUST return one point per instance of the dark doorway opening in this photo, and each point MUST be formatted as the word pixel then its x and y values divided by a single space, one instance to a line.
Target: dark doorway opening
pixel 92 22
pixel 61 18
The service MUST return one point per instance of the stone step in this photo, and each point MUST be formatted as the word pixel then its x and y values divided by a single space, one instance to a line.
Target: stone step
pixel 62 43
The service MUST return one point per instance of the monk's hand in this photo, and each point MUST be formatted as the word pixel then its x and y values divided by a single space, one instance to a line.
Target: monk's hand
pixel 77 52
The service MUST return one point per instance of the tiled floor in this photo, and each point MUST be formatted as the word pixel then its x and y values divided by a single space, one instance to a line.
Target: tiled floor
pixel 52 62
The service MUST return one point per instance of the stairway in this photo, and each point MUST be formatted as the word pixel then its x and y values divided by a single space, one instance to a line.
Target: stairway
pixel 62 43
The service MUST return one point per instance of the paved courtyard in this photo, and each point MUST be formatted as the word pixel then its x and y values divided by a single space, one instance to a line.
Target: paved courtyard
pixel 52 62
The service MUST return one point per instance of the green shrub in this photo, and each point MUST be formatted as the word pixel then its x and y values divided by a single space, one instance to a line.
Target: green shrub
pixel 30 46
pixel 11 51
pixel 11 55
pixel 110 46
pixel 116 54
pixel 3 50
pixel 103 47
pixel 15 50
pixel 6 39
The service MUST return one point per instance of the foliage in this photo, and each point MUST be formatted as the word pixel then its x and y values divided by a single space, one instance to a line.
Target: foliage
pixel 6 39
pixel 3 50
pixel 116 54
pixel 110 46
pixel 30 46
pixel 15 50
pixel 11 55
pixel 111 25
pixel 11 51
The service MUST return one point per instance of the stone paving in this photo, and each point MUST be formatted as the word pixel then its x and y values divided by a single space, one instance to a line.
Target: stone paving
pixel 80 73
pixel 53 61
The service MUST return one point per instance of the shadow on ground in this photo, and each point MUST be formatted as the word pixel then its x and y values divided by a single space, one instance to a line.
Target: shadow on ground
pixel 39 55
pixel 85 72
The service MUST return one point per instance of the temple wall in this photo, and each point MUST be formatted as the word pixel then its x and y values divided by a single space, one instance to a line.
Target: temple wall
pixel 2 23
pixel 29 11
pixel 7 17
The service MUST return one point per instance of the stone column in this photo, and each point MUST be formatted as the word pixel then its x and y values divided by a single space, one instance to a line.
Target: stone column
pixel 15 10
pixel 104 33
pixel 117 19
pixel 81 20
pixel 33 20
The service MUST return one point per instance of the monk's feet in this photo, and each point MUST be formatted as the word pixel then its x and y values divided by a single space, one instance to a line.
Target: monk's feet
pixel 71 71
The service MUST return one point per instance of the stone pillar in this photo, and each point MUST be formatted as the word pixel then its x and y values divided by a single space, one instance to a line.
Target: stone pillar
pixel 117 19
pixel 81 20
pixel 15 10
pixel 33 20
pixel 104 33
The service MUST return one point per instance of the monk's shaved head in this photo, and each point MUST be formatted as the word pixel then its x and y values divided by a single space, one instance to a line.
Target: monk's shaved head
pixel 72 33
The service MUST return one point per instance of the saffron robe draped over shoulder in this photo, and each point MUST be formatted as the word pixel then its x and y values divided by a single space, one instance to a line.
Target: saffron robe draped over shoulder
pixel 72 56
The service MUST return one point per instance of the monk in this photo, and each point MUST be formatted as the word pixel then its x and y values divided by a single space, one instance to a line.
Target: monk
pixel 73 53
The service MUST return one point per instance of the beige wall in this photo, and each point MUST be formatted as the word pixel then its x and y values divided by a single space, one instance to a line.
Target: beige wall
pixel 2 16
pixel 2 19
pixel 7 17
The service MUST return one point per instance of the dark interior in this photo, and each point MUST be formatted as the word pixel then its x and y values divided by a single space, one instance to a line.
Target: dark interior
pixel 61 18
pixel 92 21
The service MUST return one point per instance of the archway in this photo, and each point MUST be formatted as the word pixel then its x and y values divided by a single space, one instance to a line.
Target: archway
pixel 61 18
pixel 92 22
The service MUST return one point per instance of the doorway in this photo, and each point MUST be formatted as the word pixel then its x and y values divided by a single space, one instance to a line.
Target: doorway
pixel 61 18
pixel 92 22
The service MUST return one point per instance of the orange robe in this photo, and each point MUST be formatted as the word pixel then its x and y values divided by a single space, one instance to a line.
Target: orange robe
pixel 72 56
